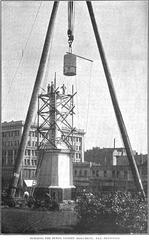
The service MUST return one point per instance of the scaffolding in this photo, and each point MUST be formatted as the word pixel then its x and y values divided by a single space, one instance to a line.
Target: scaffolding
pixel 55 118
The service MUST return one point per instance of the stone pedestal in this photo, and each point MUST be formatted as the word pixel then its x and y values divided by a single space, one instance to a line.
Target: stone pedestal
pixel 56 174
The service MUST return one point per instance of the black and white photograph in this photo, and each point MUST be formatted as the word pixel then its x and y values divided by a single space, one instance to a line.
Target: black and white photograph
pixel 74 118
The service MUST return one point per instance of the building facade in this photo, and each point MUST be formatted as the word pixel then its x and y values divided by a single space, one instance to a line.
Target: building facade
pixel 77 141
pixel 105 156
pixel 98 177
pixel 11 137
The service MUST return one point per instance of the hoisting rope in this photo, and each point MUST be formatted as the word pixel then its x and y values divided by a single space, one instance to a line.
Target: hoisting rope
pixel 70 24
pixel 87 97
pixel 77 101
pixel 89 92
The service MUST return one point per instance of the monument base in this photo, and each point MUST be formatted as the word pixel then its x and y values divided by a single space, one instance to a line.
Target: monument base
pixel 61 194
pixel 56 193
pixel 56 175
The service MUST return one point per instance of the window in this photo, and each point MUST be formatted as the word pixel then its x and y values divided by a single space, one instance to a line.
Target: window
pixel 77 155
pixel 10 157
pixel 75 172
pixel 29 143
pixel 28 162
pixel 80 155
pixel 32 152
pixel 3 160
pixel 93 171
pixel 29 152
pixel 118 173
pixel 3 152
pixel 113 173
pixel 125 174
pixel 4 157
pixel 97 173
pixel 30 173
pixel 33 162
pixel 105 173
pixel 25 162
pixel 26 174
pixel 85 173
pixel 16 133
pixel 15 152
pixel 80 172
pixel 33 173
pixel 77 148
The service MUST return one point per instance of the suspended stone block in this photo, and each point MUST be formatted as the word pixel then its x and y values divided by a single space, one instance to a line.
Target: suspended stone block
pixel 69 64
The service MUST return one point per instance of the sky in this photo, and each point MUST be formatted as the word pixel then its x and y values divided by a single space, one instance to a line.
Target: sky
pixel 123 29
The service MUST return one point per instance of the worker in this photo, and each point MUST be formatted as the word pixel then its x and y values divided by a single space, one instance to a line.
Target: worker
pixel 49 88
pixel 63 89
pixel 26 195
pixel 52 87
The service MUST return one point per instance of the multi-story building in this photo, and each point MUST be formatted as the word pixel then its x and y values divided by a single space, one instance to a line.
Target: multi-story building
pixel 105 156
pixel 11 137
pixel 81 174
pixel 109 177
pixel 77 141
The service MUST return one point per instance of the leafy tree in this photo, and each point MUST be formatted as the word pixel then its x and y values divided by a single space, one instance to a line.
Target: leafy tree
pixel 111 213
pixel 131 211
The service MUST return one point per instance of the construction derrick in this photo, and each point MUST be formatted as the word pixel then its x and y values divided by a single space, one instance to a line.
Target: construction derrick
pixel 54 145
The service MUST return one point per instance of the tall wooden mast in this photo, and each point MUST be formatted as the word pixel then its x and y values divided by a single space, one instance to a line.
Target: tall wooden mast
pixel 33 100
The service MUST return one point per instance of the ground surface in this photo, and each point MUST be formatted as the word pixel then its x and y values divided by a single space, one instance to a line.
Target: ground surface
pixel 37 221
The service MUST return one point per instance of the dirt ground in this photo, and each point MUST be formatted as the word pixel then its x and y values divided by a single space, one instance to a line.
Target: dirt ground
pixel 37 221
